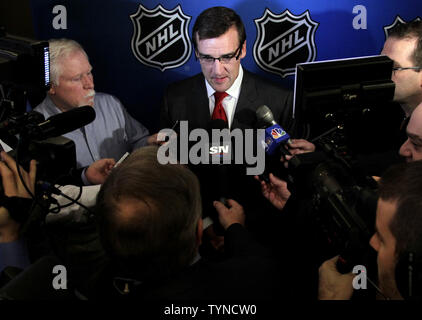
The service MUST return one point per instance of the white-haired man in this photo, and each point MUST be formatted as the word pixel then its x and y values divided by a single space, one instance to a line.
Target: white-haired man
pixel 114 131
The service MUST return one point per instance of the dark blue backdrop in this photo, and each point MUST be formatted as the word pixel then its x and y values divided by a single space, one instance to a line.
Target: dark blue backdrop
pixel 105 29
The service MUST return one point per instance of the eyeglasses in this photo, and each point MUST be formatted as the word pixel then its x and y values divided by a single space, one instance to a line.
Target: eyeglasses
pixel 406 68
pixel 225 59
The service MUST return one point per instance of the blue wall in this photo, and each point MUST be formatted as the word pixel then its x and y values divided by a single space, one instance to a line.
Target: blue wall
pixel 105 29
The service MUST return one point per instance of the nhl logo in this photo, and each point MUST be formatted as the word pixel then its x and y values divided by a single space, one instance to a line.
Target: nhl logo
pixel 283 41
pixel 397 20
pixel 160 38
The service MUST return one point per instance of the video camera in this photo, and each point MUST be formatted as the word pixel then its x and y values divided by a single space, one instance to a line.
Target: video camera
pixel 342 101
pixel 25 67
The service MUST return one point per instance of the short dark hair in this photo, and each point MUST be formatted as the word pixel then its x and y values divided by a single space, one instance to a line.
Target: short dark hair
pixel 402 184
pixel 158 235
pixel 215 21
pixel 411 29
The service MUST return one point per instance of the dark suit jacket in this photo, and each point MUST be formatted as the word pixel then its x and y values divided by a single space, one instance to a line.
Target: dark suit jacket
pixel 187 100
pixel 247 272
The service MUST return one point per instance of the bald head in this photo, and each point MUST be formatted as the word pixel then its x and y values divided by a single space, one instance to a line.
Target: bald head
pixel 149 215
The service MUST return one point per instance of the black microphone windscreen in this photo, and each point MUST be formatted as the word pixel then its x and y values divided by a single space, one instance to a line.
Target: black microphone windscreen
pixel 68 121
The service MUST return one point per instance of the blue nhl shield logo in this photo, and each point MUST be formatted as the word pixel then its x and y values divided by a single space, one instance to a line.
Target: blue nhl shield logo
pixel 398 20
pixel 284 40
pixel 160 37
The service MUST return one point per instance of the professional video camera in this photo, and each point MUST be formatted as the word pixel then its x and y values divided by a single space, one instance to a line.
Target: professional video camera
pixel 342 100
pixel 24 70
pixel 24 67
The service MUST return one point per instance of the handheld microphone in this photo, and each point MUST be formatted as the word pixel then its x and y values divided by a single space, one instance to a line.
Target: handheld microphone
pixel 217 183
pixel 275 136
pixel 220 153
pixel 62 123
pixel 219 149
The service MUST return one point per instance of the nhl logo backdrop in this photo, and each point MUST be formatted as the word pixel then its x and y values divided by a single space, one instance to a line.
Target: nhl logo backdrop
pixel 283 41
pixel 397 20
pixel 160 38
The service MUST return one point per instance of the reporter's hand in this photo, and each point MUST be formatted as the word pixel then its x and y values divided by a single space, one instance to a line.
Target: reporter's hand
pixel 98 171
pixel 9 228
pixel 297 146
pixel 332 284
pixel 12 184
pixel 229 215
pixel 153 140
pixel 13 187
pixel 216 241
pixel 276 191
pixel 376 178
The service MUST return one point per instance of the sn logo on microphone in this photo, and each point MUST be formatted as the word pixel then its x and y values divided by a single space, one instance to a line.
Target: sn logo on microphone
pixel 219 150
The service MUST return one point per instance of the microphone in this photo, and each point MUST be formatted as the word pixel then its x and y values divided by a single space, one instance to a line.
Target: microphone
pixel 275 136
pixel 216 185
pixel 62 123
pixel 220 157
pixel 220 151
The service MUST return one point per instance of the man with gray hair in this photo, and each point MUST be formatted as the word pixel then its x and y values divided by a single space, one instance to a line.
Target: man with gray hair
pixel 114 131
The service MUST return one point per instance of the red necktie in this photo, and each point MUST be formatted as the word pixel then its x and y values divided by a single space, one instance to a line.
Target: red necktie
pixel 219 112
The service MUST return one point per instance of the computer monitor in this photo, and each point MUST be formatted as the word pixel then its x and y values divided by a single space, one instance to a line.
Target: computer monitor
pixel 350 92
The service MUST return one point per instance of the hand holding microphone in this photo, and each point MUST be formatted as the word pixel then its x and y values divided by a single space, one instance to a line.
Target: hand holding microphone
pixel 275 136
pixel 230 213
pixel 297 146
pixel 332 284
pixel 278 139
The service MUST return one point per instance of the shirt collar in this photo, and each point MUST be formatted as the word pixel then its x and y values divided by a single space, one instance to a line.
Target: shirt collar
pixel 233 91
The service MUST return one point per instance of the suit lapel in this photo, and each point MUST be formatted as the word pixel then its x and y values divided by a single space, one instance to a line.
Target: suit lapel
pixel 244 115
pixel 199 111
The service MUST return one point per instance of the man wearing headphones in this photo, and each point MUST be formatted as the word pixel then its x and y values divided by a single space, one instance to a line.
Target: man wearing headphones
pixel 397 239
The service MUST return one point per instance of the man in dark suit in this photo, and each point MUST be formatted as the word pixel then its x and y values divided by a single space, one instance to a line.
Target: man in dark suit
pixel 225 90
pixel 220 43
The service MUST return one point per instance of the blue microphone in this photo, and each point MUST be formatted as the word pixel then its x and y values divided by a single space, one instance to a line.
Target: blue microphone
pixel 275 136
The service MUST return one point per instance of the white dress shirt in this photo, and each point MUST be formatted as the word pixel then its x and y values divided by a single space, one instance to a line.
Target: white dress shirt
pixel 229 102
